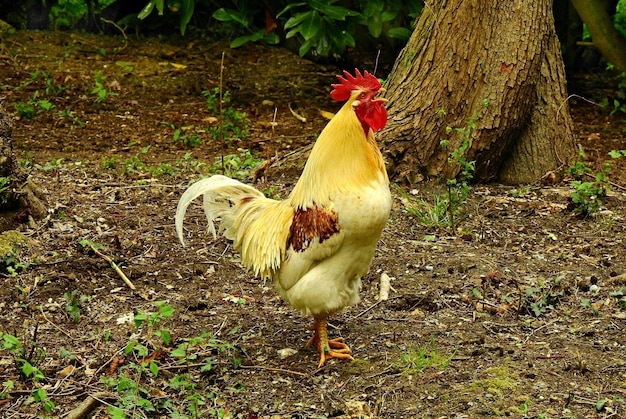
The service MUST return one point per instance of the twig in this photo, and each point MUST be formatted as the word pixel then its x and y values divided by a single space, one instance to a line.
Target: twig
pixel 296 114
pixel 90 403
pixel 114 266
pixel 261 367
pixel 54 325
pixel 110 22
pixel 613 184
pixel 368 309
pixel 385 285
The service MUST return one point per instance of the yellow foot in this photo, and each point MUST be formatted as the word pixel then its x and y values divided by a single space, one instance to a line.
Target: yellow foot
pixel 327 348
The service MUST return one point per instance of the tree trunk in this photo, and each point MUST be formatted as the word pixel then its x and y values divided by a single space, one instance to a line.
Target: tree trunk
pixel 19 197
pixel 495 62
pixel 605 37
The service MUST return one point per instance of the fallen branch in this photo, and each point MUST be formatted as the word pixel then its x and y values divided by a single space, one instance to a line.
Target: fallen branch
pixel 114 266
pixel 90 403
pixel 385 285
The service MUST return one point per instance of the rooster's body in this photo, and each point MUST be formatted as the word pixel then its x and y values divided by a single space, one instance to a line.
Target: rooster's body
pixel 318 243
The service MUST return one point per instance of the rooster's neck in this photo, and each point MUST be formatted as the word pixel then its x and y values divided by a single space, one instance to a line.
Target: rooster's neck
pixel 343 159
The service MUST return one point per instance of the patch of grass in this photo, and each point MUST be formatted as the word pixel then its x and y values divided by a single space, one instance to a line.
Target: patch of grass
pixel 498 381
pixel 431 213
pixel 417 359
pixel 10 243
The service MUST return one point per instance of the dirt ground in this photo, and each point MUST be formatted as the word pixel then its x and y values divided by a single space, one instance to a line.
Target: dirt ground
pixel 521 315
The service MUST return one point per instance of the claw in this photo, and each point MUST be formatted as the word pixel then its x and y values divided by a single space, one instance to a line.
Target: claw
pixel 327 348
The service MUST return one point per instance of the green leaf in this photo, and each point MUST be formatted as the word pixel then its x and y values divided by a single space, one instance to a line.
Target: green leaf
pixel 272 38
pixel 296 19
pixel 333 12
pixel 292 33
pixel 154 368
pixel 164 334
pixel 389 15
pixel 305 47
pixel 186 12
pixel 160 5
pixel 179 352
pixel 289 7
pixel 147 9
pixel 323 46
pixel 338 12
pixel 399 33
pixel 311 26
pixel 237 42
pixel 375 26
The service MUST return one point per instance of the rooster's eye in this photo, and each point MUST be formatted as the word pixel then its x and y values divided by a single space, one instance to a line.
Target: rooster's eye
pixel 362 96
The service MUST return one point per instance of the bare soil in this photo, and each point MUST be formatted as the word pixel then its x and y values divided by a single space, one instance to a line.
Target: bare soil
pixel 521 311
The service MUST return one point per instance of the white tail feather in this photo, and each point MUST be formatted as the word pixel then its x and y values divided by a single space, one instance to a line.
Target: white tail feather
pixel 220 193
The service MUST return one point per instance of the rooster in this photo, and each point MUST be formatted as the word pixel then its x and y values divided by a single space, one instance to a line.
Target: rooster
pixel 318 243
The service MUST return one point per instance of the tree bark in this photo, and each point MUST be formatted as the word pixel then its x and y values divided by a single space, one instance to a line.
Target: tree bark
pixel 495 62
pixel 606 38
pixel 20 198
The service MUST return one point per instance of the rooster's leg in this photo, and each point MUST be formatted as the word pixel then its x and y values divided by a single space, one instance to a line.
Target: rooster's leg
pixel 327 348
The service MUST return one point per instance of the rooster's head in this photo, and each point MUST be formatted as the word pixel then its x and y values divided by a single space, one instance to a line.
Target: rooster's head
pixel 362 88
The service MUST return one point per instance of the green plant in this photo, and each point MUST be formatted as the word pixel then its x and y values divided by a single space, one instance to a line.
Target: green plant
pixel 586 303
pixel 185 135
pixel 41 396
pixel 164 312
pixel 230 124
pixel 67 13
pixel 417 359
pixel 244 17
pixel 620 295
pixel 24 110
pixel 184 8
pixel 10 243
pixel 544 297
pixel 54 164
pixel 33 107
pixel 5 184
pixel 133 164
pixel 109 162
pixel 431 213
pixel 323 27
pixel 73 304
pixel 100 89
pixel 445 209
pixel 586 197
pixel 236 165
pixel 72 117
pixel 135 383
pixel 320 24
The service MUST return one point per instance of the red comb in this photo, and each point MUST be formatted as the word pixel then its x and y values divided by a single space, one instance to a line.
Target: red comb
pixel 345 87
